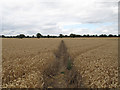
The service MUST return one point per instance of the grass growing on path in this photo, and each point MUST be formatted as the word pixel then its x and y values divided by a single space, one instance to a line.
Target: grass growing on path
pixel 69 64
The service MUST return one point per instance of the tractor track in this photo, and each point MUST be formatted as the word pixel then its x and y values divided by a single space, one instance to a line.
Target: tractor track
pixel 62 73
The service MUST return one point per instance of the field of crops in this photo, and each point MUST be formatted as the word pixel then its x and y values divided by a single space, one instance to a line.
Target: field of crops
pixel 96 60
pixel 25 60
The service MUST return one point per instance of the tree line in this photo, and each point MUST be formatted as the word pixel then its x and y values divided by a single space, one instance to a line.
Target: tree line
pixel 39 35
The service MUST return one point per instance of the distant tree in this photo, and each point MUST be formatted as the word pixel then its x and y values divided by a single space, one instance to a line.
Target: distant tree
pixel 14 37
pixel 48 36
pixel 110 35
pixel 10 36
pixel 96 35
pixel 92 36
pixel 103 35
pixel 77 35
pixel 72 35
pixel 39 35
pixel 3 36
pixel 115 35
pixel 84 35
pixel 65 36
pixel 21 36
pixel 61 35
pixel 33 36
pixel 118 35
pixel 27 36
pixel 87 35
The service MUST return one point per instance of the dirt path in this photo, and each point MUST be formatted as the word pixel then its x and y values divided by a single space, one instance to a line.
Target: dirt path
pixel 61 73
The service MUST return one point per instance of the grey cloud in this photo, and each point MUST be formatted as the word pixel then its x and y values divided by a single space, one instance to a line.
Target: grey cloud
pixel 32 16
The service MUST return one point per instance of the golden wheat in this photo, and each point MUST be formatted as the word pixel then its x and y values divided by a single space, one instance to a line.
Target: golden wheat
pixel 96 60
pixel 24 61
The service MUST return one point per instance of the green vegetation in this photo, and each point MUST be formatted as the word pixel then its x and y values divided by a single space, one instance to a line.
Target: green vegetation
pixel 62 72
pixel 69 64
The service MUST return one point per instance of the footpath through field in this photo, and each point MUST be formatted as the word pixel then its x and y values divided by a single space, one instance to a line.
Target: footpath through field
pixel 62 73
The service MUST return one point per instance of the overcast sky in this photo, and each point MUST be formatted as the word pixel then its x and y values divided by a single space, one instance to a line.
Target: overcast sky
pixel 59 16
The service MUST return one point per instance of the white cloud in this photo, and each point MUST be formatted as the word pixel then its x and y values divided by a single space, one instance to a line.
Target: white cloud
pixel 50 16
pixel 104 31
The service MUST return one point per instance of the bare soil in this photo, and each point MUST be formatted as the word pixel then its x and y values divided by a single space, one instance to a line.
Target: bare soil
pixel 62 73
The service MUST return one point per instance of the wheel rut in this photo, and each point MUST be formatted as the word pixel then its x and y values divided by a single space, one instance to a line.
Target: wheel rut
pixel 62 73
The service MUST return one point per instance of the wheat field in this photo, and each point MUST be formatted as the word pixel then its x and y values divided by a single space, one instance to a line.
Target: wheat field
pixel 96 60
pixel 25 60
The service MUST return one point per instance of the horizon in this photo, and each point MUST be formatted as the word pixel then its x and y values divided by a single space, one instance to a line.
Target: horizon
pixel 64 35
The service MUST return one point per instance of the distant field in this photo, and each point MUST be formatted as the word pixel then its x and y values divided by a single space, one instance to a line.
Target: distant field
pixel 26 60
